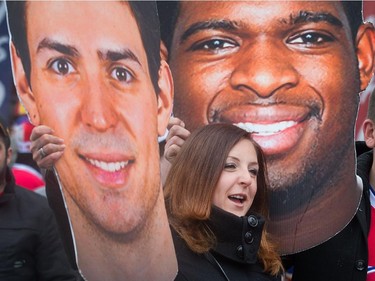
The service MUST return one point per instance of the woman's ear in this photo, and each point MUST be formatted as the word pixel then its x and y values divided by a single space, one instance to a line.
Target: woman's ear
pixel 24 91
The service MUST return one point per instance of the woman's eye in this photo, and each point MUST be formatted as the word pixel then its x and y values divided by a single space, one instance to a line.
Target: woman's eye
pixel 214 45
pixel 253 172
pixel 311 38
pixel 121 74
pixel 229 166
pixel 62 66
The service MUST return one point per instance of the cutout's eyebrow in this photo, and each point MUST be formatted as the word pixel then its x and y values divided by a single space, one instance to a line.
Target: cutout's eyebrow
pixel 123 54
pixel 301 17
pixel 65 49
pixel 72 51
pixel 209 24
pixel 306 17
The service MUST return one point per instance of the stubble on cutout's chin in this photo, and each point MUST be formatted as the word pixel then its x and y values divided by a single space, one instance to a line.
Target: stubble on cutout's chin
pixel 293 189
pixel 111 214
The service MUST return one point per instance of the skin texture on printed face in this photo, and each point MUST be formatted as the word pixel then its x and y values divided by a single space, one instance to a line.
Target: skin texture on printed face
pixel 88 88
pixel 264 65
pixel 90 83
pixel 287 72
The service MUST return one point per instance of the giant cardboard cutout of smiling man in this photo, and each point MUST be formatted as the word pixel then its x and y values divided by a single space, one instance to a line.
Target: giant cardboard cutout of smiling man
pixel 290 73
pixel 91 71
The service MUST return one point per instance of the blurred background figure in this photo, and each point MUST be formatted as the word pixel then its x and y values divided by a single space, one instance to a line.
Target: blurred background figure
pixel 25 170
pixel 366 170
pixel 30 246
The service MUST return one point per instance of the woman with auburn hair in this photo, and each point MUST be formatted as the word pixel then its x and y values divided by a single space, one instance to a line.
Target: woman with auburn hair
pixel 216 199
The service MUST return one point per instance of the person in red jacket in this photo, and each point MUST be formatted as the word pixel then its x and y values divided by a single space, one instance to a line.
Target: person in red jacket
pixel 366 170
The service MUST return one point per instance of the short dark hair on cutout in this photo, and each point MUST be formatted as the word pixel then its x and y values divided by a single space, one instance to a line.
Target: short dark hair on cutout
pixel 353 11
pixel 168 14
pixel 169 10
pixel 145 13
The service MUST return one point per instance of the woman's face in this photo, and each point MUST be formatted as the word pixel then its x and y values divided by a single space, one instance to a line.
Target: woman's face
pixel 237 186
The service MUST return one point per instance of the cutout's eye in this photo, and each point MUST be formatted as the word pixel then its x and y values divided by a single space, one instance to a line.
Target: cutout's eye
pixel 214 45
pixel 310 38
pixel 121 74
pixel 62 66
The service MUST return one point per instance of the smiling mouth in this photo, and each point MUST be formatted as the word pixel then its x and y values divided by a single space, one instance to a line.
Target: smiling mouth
pixel 277 128
pixel 237 198
pixel 108 166
pixel 266 129
pixel 108 171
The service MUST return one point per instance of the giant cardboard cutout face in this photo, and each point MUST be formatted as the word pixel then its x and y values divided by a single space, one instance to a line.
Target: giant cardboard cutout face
pixel 289 73
pixel 89 88
pixel 90 82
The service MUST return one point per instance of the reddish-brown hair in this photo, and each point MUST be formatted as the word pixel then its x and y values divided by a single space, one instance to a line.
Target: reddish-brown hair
pixel 191 183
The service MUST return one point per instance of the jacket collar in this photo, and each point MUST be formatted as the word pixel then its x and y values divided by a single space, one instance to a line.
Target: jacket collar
pixel 364 164
pixel 237 238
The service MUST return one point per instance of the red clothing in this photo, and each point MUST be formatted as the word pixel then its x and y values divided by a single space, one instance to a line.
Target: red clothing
pixel 27 177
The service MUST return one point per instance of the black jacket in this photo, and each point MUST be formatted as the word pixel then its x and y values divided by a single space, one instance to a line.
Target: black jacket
pixel 235 252
pixel 344 257
pixel 364 164
pixel 30 247
pixel 56 203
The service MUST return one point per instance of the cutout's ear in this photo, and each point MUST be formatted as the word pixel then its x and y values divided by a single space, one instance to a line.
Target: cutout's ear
pixel 365 49
pixel 369 133
pixel 165 97
pixel 24 91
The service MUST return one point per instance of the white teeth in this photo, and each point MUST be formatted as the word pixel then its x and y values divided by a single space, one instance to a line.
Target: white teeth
pixel 108 166
pixel 240 197
pixel 266 129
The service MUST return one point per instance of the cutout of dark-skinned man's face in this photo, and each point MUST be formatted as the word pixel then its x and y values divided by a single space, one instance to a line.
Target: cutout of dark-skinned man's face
pixel 289 73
